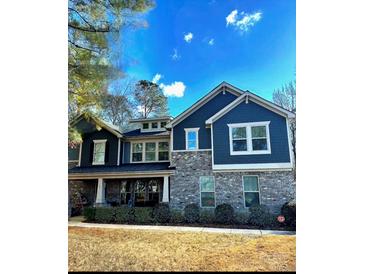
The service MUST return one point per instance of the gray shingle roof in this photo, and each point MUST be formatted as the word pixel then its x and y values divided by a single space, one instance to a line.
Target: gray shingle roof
pixel 123 168
pixel 138 133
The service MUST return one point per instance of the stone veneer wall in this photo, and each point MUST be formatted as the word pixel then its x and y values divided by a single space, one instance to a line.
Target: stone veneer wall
pixel 276 187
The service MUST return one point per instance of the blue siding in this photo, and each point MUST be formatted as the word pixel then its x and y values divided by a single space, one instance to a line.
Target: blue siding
pixel 244 113
pixel 198 118
pixel 127 152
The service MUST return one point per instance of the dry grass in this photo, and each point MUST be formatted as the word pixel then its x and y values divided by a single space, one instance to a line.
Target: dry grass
pixel 94 249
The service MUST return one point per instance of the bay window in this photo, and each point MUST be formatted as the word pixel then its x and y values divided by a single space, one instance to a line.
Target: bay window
pixel 249 138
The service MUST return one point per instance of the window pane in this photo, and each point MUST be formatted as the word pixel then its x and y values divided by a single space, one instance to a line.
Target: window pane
pixel 251 198
pixel 153 186
pixel 99 147
pixel 207 183
pixel 150 146
pixel 154 125
pixel 259 144
pixel 192 135
pixel 239 145
pixel 123 186
pixel 250 183
pixel 145 125
pixel 259 131
pixel 163 124
pixel 137 147
pixel 207 199
pixel 140 186
pixel 150 156
pixel 99 157
pixel 163 146
pixel 191 145
pixel 137 157
pixel 238 132
pixel 163 156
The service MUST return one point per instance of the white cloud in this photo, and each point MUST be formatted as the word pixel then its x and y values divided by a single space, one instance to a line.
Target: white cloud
pixel 246 21
pixel 231 18
pixel 175 89
pixel 188 37
pixel 175 56
pixel 156 78
pixel 211 42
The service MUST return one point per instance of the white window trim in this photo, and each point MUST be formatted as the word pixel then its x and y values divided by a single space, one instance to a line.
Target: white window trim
pixel 187 130
pixel 150 129
pixel 99 142
pixel 249 138
pixel 200 192
pixel 144 151
pixel 243 188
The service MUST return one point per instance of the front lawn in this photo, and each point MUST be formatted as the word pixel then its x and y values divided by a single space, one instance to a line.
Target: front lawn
pixel 94 249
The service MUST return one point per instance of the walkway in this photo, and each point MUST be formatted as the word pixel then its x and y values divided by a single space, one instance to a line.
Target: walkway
pixel 184 229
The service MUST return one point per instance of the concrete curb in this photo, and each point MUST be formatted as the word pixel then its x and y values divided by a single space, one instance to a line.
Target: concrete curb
pixel 185 229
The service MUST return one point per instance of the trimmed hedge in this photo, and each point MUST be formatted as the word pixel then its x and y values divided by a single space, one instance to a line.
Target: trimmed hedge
pixel 260 215
pixel 192 213
pixel 124 215
pixel 289 211
pixel 224 214
pixel 241 218
pixel 162 213
pixel 207 216
pixel 143 215
pixel 104 214
pixel 89 213
pixel 177 216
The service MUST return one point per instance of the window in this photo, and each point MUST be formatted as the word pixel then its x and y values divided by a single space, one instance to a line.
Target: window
pixel 251 190
pixel 249 138
pixel 154 192
pixel 125 192
pixel 163 124
pixel 99 152
pixel 207 191
pixel 163 151
pixel 145 126
pixel 139 193
pixel 154 125
pixel 150 152
pixel 137 152
pixel 192 138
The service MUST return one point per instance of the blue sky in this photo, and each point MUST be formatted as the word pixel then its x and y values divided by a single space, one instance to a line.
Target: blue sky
pixel 195 45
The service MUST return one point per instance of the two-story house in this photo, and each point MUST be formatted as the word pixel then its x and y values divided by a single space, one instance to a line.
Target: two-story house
pixel 231 146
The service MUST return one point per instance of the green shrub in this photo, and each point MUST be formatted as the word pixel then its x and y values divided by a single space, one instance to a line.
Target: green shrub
pixel 89 213
pixel 224 214
pixel 124 215
pixel 260 215
pixel 192 213
pixel 162 213
pixel 289 211
pixel 241 218
pixel 104 214
pixel 143 215
pixel 177 216
pixel 207 216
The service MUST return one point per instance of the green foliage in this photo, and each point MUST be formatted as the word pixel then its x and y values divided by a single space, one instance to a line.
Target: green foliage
pixel 162 213
pixel 89 213
pixel 93 26
pixel 241 218
pixel 150 98
pixel 207 216
pixel 224 214
pixel 260 215
pixel 124 215
pixel 104 214
pixel 143 215
pixel 192 213
pixel 177 216
pixel 289 211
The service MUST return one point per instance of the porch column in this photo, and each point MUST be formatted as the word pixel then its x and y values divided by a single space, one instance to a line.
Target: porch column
pixel 165 195
pixel 100 194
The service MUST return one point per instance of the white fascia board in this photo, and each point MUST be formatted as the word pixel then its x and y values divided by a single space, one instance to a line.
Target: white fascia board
pixel 267 166
pixel 203 101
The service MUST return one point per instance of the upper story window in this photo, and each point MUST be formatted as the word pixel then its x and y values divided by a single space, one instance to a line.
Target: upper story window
pixel 154 125
pixel 192 138
pixel 145 125
pixel 249 138
pixel 99 152
pixel 163 124
pixel 150 151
